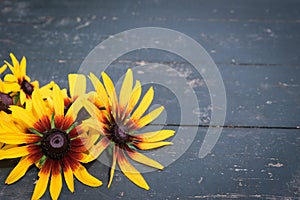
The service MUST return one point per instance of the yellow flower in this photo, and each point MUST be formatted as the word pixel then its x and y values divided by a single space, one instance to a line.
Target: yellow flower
pixel 52 140
pixel 18 81
pixel 118 122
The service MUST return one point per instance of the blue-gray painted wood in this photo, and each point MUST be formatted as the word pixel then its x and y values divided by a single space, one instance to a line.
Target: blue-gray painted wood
pixel 255 46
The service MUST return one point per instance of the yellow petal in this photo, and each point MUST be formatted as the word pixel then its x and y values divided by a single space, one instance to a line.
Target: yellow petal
pixel 15 152
pixel 23 98
pixel 46 90
pixel 126 89
pixel 14 60
pixel 155 136
pixel 8 146
pixel 75 107
pixel 28 105
pixel 35 84
pixel 68 174
pixel 95 99
pixel 130 172
pixel 102 94
pixel 39 104
pixel 77 84
pixel 90 108
pixel 149 117
pixel 134 98
pixel 23 67
pixel 11 87
pixel 93 135
pixel 110 88
pixel 20 170
pixel 10 127
pixel 10 66
pixel 94 111
pixel 143 106
pixel 134 155
pixel 113 166
pixel 15 67
pixel 18 138
pixel 42 182
pixel 56 181
pixel 83 176
pixel 58 101
pixel 91 123
pixel 23 115
pixel 151 145
pixel 10 78
pixel 96 150
pixel 3 68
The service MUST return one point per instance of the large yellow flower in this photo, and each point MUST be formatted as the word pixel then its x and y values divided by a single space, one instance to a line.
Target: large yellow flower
pixel 118 122
pixel 50 139
pixel 19 82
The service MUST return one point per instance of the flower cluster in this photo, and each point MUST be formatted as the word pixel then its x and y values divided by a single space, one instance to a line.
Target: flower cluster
pixel 40 125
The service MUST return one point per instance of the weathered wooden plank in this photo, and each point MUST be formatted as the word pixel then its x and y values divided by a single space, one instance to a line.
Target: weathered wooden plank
pixel 254 43
pixel 267 10
pixel 256 95
pixel 245 163
pixel 59 31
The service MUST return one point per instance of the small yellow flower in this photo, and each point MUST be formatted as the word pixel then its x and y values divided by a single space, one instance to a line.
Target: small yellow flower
pixel 117 123
pixel 49 138
pixel 18 81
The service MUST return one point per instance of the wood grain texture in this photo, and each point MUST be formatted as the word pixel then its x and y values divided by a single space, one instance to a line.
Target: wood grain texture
pixel 255 46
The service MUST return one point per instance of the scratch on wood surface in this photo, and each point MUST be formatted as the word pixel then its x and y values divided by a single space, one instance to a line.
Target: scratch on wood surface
pixel 275 165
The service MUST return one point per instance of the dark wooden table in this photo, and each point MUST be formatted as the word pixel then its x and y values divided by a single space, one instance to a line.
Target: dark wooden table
pixel 255 44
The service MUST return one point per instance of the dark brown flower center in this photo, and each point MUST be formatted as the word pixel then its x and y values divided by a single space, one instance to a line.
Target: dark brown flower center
pixel 5 101
pixel 119 134
pixel 27 87
pixel 55 143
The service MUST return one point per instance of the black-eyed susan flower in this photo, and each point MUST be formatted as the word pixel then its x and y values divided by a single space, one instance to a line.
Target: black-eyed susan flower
pixel 118 122
pixel 18 82
pixel 50 139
